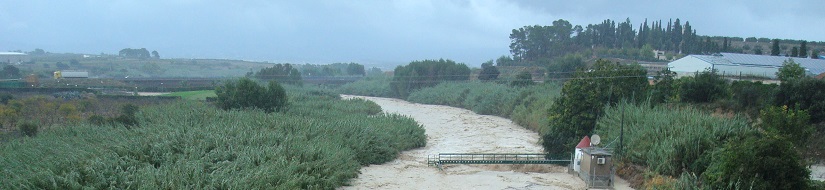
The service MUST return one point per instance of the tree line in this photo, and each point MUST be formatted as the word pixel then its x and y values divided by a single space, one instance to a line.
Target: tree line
pixel 537 43
pixel 426 73
pixel 141 53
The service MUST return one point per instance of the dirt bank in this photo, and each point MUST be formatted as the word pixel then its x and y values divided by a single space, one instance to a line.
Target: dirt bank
pixel 462 131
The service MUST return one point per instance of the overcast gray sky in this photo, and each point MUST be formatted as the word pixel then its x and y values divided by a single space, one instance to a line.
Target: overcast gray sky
pixel 365 31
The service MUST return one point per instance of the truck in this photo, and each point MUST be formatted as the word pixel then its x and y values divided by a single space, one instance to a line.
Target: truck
pixel 70 74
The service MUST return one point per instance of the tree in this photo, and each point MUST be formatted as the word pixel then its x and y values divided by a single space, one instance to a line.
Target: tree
pixel 815 54
pixel 10 72
pixel 488 71
pixel 775 47
pixel 279 72
pixel 757 50
pixel 155 54
pixel 356 69
pixel 141 53
pixel 794 52
pixel 703 87
pixel 38 51
pixel 790 123
pixel 803 49
pixel 583 98
pixel 790 70
pixel 564 67
pixel 665 87
pixel 805 94
pixel 245 94
pixel 505 61
pixel 426 73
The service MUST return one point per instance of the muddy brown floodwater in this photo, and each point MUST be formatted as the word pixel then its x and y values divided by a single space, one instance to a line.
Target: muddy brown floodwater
pixel 455 130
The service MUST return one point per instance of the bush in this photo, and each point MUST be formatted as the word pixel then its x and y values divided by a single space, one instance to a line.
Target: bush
pixel 704 87
pixel 5 97
pixel 523 79
pixel 29 129
pixel 369 86
pixel 245 93
pixel 427 73
pixel 768 162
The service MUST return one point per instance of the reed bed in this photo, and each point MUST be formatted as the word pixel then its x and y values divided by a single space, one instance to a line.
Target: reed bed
pixel 319 142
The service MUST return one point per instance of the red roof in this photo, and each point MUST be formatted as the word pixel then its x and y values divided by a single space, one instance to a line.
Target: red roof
pixel 584 143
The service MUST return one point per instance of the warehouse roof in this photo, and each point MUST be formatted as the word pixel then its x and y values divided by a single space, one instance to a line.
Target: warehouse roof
pixel 814 66
pixel 11 53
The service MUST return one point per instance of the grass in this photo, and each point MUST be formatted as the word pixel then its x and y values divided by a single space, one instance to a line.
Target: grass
pixel 319 142
pixel 193 95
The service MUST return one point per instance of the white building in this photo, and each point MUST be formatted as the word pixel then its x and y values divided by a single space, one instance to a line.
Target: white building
pixel 14 57
pixel 733 64
pixel 577 161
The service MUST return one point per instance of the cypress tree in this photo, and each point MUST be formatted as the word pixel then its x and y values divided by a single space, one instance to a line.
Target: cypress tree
pixel 803 49
pixel 775 47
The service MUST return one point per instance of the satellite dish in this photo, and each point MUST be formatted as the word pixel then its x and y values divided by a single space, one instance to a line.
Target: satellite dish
pixel 595 139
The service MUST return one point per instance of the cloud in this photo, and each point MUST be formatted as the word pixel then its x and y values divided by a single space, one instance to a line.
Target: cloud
pixel 371 32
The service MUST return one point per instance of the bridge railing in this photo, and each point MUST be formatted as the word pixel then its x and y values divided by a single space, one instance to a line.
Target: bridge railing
pixel 493 158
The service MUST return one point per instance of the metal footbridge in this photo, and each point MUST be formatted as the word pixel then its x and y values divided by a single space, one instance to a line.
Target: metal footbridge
pixel 492 158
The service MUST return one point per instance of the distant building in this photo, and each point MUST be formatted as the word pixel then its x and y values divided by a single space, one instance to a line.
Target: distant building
pixel 14 57
pixel 747 65
pixel 70 74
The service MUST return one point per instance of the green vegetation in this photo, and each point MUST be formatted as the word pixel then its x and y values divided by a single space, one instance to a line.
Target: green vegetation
pixel 282 73
pixel 703 87
pixel 805 94
pixel 193 95
pixel 583 99
pixel 482 98
pixel 669 141
pixel 427 73
pixel 245 93
pixel 724 152
pixel 10 72
pixel 527 106
pixel 319 142
pixel 369 86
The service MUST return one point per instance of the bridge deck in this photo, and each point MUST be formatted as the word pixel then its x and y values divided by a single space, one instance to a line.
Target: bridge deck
pixel 492 158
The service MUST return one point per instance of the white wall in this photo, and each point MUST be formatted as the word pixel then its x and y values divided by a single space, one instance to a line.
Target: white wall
pixel 688 65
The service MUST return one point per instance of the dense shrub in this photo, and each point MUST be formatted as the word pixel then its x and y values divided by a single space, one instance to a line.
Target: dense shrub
pixel 482 98
pixel 527 106
pixel 584 98
pixel 29 129
pixel 767 162
pixel 806 94
pixel 5 98
pixel 427 73
pixel 523 78
pixel 704 87
pixel 369 86
pixel 284 73
pixel 319 143
pixel 245 93
pixel 668 140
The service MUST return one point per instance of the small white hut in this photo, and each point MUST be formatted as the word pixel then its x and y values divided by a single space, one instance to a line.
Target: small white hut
pixel 577 161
